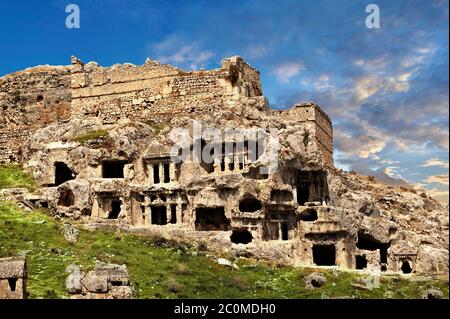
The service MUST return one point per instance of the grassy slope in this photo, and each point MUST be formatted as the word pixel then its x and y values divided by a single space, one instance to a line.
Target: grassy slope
pixel 160 270
pixel 91 135
pixel 12 176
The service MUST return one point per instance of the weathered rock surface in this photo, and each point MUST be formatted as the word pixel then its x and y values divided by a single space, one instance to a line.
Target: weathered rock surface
pixel 13 276
pixel 106 281
pixel 106 160
pixel 70 233
pixel 432 294
pixel 315 280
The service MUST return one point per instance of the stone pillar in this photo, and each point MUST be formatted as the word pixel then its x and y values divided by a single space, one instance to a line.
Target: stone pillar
pixel 148 215
pixel 168 213
pixel 294 192
pixel 161 172
pixel 152 173
pixel 227 164
pixel 173 175
pixel 95 208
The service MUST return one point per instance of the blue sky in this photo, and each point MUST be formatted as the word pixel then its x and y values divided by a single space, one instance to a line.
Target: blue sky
pixel 385 89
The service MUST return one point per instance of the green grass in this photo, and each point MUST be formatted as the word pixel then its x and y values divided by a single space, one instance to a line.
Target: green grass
pixel 12 176
pixel 160 269
pixel 89 136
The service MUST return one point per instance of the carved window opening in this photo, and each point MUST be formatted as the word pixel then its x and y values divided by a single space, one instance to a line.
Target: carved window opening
pixel 241 236
pixel 173 214
pixel 113 169
pixel 324 255
pixel 361 262
pixel 166 168
pixel 406 267
pixel 367 242
pixel 115 209
pixel 311 186
pixel 156 179
pixel 162 171
pixel 250 205
pixel 66 198
pixel 211 219
pixel 308 215
pixel 284 231
pixel 62 173
pixel 159 215
pixel 12 282
pixel 277 195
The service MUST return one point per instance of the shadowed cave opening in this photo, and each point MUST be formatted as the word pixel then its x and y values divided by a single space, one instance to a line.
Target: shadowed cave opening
pixel 173 214
pixel 159 215
pixel 12 282
pixel 361 262
pixel 308 215
pixel 367 242
pixel 166 171
pixel 284 231
pixel 113 169
pixel 66 198
pixel 406 267
pixel 115 209
pixel 211 218
pixel 311 186
pixel 250 205
pixel 241 236
pixel 277 195
pixel 62 173
pixel 324 255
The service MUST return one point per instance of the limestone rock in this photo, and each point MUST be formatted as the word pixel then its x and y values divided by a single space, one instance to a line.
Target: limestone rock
pixel 432 294
pixel 315 280
pixel 226 262
pixel 105 281
pixel 70 233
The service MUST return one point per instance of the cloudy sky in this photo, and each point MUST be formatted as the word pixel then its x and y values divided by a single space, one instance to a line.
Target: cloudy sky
pixel 385 89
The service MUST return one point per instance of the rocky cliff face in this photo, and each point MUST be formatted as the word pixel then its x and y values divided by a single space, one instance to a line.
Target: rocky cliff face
pixel 270 193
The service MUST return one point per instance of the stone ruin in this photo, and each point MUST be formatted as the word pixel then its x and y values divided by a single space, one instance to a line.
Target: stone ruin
pixel 105 281
pixel 99 141
pixel 13 277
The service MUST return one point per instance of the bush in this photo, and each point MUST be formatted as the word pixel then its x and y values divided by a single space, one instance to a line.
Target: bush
pixel 173 286
pixel 181 269
pixel 91 135
pixel 239 282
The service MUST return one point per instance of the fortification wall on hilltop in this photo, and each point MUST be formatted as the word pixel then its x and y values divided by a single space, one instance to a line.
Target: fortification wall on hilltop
pixel 31 99
pixel 322 128
pixel 152 89
pixel 152 92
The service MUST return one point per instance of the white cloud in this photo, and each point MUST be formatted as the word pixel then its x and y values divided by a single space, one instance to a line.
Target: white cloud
pixel 284 72
pixel 434 162
pixel 368 85
pixel 256 51
pixel 321 83
pixel 174 50
pixel 437 179
pixel 366 146
pixel 439 194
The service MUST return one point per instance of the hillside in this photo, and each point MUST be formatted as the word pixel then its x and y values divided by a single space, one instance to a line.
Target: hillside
pixel 161 269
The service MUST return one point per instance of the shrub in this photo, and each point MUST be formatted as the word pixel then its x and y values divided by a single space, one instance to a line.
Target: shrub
pixel 173 286
pixel 182 269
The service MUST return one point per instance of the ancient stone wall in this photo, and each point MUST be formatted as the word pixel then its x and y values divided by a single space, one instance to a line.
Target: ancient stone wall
pixel 31 99
pixel 322 128
pixel 151 93
pixel 153 89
